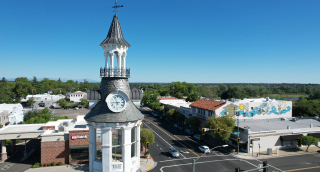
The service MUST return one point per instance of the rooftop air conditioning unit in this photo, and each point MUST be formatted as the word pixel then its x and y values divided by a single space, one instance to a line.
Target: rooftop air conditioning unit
pixel 61 129
pixel 66 124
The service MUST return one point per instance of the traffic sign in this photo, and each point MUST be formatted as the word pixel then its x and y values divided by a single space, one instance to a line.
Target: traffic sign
pixel 236 132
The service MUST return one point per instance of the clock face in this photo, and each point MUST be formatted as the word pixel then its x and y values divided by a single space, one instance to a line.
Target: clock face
pixel 116 102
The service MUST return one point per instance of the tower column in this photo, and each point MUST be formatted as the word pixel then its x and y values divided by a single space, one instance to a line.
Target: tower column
pixel 126 149
pixel 92 142
pixel 119 64
pixel 124 64
pixel 138 141
pixel 106 138
pixel 111 64
pixel 106 63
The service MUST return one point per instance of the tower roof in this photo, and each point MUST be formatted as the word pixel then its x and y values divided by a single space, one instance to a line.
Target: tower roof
pixel 115 33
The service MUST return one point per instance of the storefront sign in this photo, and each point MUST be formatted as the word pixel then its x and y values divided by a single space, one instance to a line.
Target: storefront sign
pixel 74 137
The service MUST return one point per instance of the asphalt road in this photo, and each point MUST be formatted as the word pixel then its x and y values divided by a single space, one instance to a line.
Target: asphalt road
pixel 167 136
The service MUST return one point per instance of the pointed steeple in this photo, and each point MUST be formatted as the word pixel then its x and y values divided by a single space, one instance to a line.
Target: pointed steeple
pixel 115 33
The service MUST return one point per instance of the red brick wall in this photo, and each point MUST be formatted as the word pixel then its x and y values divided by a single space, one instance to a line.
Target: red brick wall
pixel 48 127
pixel 55 151
pixel 78 142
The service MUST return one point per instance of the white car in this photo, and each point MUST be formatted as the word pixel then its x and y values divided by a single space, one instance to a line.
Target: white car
pixel 173 152
pixel 204 149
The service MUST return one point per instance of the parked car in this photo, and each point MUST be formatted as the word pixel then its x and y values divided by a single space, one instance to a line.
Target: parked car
pixel 76 108
pixel 189 132
pixel 176 125
pixel 155 114
pixel 204 149
pixel 198 137
pixel 181 128
pixel 173 152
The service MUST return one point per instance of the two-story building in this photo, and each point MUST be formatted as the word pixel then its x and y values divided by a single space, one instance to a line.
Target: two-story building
pixel 78 96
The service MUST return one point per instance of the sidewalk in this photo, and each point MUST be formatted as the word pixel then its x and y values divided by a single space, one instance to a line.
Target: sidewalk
pixel 145 165
pixel 282 153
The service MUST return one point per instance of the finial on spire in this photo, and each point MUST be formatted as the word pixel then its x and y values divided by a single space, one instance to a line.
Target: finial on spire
pixel 116 6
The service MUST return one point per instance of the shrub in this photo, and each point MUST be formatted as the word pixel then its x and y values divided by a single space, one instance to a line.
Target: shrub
pixel 59 163
pixel 53 164
pixel 37 163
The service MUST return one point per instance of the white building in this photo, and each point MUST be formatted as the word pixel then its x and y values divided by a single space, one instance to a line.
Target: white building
pixel 174 103
pixel 43 97
pixel 277 133
pixel 14 111
pixel 78 96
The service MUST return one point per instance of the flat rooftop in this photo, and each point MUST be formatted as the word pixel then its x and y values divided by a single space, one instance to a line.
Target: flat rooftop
pixel 257 125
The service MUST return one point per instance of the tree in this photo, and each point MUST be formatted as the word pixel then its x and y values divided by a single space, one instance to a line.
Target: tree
pixel 194 122
pixel 63 103
pixel 309 140
pixel 146 135
pixel 222 122
pixel 30 101
pixel 84 102
pixel 193 97
pixel 170 113
pixel 180 118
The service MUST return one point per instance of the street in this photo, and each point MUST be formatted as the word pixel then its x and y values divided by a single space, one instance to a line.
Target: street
pixel 168 136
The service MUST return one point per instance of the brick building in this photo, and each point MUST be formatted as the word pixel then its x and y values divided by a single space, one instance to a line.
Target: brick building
pixel 65 141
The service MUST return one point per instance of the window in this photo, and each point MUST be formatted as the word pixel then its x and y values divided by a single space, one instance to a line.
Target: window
pixel 79 152
pixel 117 145
pixel 98 145
pixel 133 140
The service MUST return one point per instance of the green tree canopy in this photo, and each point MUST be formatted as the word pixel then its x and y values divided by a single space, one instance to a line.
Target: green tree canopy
pixel 180 118
pixel 146 135
pixel 63 103
pixel 194 122
pixel 30 101
pixel 222 122
pixel 309 140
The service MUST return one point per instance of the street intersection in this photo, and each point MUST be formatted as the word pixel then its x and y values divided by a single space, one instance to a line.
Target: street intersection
pixel 168 136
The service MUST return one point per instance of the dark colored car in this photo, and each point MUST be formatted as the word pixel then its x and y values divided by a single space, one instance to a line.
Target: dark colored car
pixel 181 128
pixel 189 132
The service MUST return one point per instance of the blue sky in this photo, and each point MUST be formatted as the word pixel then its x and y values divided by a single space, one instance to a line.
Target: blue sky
pixel 209 41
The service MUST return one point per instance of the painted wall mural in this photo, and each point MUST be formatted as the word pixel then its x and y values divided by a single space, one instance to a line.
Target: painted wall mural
pixel 263 109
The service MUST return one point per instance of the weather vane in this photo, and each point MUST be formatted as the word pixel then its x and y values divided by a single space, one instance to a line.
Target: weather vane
pixel 116 6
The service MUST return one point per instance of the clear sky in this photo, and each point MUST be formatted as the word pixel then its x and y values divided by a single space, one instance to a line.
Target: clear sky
pixel 208 41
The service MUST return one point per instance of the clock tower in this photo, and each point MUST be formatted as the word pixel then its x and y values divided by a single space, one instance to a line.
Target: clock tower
pixel 114 121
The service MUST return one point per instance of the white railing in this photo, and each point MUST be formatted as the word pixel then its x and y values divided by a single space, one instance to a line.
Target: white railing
pixel 115 167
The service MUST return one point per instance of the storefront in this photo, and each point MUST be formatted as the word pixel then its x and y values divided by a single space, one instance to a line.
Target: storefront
pixel 65 141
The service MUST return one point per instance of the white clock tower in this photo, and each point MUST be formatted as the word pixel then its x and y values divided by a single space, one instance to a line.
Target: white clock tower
pixel 114 121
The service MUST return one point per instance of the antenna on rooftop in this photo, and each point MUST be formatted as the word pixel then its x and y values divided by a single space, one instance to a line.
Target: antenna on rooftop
pixel 116 6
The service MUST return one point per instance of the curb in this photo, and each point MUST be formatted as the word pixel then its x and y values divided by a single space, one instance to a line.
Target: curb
pixel 286 155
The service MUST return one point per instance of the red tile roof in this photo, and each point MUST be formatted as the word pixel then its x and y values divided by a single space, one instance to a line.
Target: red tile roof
pixel 207 104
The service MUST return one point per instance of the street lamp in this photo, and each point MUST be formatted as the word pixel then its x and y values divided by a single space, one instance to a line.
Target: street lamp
pixel 194 160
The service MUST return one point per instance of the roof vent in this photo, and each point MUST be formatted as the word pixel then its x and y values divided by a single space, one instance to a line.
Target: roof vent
pixel 311 125
pixel 65 124
pixel 267 98
pixel 288 127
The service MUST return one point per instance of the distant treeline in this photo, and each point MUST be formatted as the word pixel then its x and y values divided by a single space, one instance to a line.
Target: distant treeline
pixel 12 91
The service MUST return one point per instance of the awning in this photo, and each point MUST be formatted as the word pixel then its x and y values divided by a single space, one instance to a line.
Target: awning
pixel 290 137
pixel 20 136
pixel 79 146
pixel 316 135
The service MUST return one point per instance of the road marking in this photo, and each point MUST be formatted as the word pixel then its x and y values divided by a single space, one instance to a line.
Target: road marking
pixel 160 149
pixel 160 137
pixel 172 138
pixel 195 163
pixel 157 145
pixel 192 158
pixel 149 167
pixel 303 168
